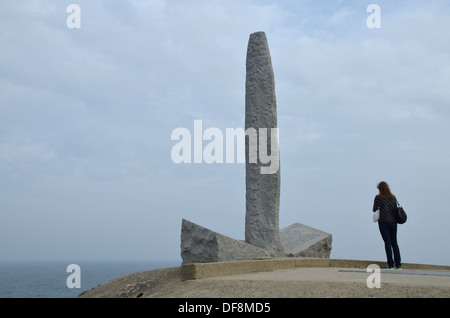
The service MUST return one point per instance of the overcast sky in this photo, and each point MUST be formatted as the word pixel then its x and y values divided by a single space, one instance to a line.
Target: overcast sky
pixel 86 117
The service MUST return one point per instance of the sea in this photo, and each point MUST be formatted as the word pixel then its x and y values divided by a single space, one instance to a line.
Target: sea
pixel 57 279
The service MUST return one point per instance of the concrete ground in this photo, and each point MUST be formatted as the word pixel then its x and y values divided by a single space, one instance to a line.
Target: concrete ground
pixel 346 275
pixel 299 281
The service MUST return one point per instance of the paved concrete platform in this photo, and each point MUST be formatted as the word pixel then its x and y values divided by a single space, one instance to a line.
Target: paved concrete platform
pixel 343 277
pixel 403 272
pixel 204 270
pixel 280 278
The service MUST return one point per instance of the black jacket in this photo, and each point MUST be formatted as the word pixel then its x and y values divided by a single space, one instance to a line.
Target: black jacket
pixel 388 209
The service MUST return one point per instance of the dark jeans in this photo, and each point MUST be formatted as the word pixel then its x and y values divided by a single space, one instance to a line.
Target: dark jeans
pixel 389 234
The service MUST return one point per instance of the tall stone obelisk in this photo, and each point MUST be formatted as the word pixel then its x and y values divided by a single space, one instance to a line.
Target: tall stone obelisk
pixel 262 234
pixel 262 188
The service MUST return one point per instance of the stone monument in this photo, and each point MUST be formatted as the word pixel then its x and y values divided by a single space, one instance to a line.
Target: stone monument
pixel 262 189
pixel 262 234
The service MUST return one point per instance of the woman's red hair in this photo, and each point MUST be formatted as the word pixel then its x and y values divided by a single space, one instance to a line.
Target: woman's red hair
pixel 385 191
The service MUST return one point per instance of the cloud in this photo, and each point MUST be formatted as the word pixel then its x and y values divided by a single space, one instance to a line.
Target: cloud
pixel 91 111
pixel 25 151
pixel 340 16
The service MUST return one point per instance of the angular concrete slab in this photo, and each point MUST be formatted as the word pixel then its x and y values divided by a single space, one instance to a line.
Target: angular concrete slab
pixel 201 245
pixel 301 240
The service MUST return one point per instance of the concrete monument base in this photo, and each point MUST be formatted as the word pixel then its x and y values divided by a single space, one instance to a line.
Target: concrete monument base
pixel 201 245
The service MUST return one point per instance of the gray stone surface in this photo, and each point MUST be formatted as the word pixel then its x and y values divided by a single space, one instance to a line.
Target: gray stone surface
pixel 262 234
pixel 201 245
pixel 262 185
pixel 304 241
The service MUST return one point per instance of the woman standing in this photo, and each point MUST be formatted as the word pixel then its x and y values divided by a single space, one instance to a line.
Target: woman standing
pixel 387 223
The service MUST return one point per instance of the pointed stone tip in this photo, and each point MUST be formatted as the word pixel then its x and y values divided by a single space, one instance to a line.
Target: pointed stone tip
pixel 257 45
pixel 258 34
